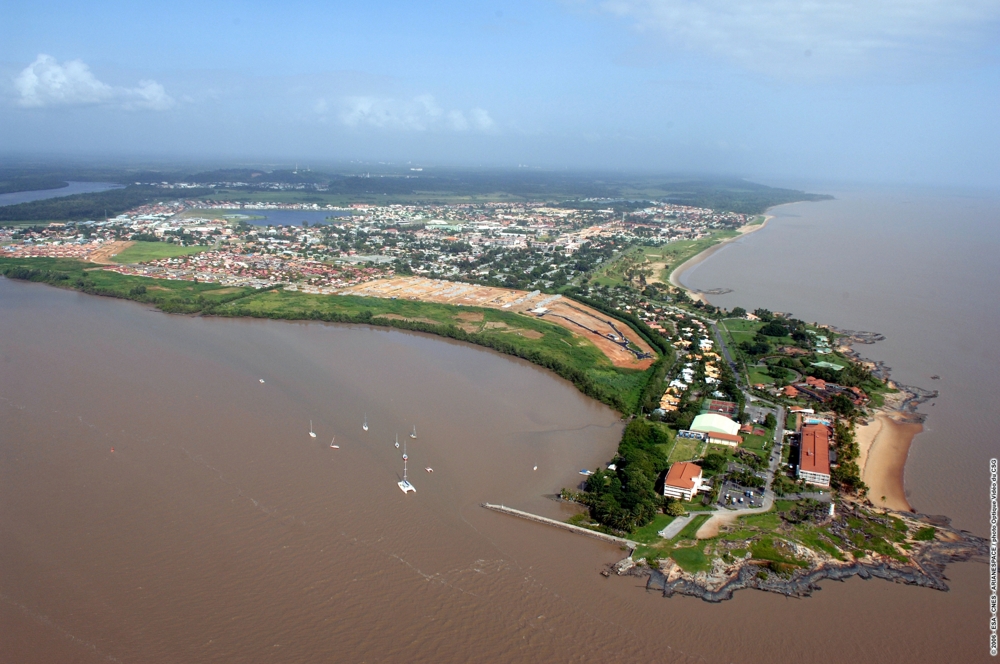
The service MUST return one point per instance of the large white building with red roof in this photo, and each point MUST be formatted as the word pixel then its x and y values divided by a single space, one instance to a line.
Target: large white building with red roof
pixel 683 480
pixel 814 455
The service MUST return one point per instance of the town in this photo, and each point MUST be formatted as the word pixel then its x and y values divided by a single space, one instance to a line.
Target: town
pixel 736 415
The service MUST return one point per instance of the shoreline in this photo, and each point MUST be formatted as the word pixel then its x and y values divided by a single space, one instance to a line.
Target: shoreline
pixel 884 446
pixel 675 275
pixel 885 440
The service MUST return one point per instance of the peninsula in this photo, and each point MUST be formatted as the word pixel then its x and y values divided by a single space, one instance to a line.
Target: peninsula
pixel 759 451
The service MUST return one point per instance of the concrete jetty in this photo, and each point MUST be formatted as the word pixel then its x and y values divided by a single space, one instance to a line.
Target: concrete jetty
pixel 565 526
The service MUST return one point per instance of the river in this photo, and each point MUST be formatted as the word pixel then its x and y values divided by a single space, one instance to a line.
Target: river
pixel 42 194
pixel 218 530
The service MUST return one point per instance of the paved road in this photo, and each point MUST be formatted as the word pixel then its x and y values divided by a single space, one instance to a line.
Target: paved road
pixel 677 525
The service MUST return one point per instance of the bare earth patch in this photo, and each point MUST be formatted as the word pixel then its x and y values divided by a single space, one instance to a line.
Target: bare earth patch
pixel 578 318
pixel 104 254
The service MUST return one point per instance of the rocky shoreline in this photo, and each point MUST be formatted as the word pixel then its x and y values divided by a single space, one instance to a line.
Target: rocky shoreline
pixel 926 569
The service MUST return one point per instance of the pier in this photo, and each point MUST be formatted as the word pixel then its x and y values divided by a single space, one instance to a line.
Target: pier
pixel 565 526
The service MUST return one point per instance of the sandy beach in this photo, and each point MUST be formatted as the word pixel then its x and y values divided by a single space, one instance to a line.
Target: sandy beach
pixel 884 445
pixel 675 276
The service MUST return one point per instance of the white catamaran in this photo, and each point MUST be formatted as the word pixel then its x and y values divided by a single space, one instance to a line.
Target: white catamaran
pixel 405 485
pixel 414 434
pixel 365 425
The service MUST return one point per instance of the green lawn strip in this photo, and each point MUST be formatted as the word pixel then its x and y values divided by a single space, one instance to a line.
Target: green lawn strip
pixel 768 521
pixel 756 443
pixel 685 449
pixel 692 558
pixel 142 252
pixel 758 375
pixel 688 532
pixel 743 325
pixel 650 533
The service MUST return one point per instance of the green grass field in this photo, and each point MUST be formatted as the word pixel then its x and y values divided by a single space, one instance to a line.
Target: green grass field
pixel 757 375
pixel 685 449
pixel 141 252
pixel 650 533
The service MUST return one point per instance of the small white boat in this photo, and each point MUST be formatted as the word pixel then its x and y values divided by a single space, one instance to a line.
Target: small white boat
pixel 429 469
pixel 336 447
pixel 414 434
pixel 535 468
pixel 262 381
pixel 365 425
pixel 404 484
pixel 397 441
pixel 312 434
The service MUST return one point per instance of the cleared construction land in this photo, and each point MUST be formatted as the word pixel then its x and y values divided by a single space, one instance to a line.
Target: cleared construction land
pixel 615 339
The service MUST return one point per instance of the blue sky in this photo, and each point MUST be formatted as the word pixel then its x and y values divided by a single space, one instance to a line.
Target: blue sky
pixel 880 91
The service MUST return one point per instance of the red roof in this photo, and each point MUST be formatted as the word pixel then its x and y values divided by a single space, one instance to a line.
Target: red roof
pixel 725 436
pixel 814 449
pixel 683 475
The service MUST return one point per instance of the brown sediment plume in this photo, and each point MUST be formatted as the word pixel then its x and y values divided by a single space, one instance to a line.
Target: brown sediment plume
pixel 884 445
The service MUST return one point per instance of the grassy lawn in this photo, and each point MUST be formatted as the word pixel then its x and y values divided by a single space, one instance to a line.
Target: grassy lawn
pixel 756 443
pixel 141 252
pixel 757 375
pixel 685 449
pixel 650 533
pixel 689 530
pixel 692 559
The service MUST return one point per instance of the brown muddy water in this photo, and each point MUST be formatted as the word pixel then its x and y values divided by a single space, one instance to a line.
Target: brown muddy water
pixel 219 531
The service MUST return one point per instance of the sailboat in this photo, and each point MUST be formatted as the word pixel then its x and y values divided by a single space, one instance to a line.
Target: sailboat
pixel 404 484
pixel 414 434
pixel 365 425
pixel 336 447
pixel 312 434
pixel 397 441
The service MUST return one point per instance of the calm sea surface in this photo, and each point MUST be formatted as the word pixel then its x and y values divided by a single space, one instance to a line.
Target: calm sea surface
pixel 219 531
pixel 42 194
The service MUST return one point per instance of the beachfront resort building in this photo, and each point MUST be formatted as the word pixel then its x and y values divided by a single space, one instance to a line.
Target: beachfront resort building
pixel 683 480
pixel 814 455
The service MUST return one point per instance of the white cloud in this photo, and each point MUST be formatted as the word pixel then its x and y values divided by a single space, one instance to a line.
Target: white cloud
pixel 45 82
pixel 808 38
pixel 421 113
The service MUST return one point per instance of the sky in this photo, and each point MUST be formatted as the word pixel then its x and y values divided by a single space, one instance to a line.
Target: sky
pixel 895 91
